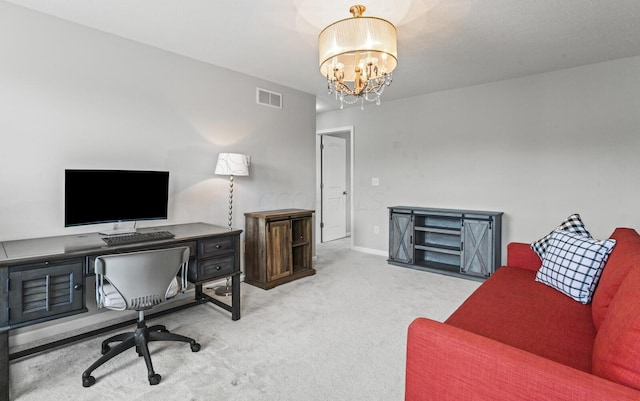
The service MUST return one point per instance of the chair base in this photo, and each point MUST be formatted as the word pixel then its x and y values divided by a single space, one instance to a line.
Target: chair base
pixel 139 339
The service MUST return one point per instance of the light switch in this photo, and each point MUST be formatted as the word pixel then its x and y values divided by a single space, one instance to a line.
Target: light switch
pixel 375 181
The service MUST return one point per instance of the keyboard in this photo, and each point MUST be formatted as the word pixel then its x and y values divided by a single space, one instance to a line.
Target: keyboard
pixel 137 237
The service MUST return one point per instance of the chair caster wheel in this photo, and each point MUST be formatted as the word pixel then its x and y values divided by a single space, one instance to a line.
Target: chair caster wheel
pixel 154 379
pixel 105 349
pixel 195 347
pixel 88 381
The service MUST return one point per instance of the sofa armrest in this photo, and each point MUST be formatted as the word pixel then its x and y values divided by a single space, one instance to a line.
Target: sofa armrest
pixel 522 256
pixel 445 363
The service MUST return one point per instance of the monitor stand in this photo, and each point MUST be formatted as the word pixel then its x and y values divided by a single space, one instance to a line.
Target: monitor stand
pixel 118 229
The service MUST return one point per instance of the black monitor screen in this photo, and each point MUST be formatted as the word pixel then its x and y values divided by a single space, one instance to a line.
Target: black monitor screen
pixel 103 196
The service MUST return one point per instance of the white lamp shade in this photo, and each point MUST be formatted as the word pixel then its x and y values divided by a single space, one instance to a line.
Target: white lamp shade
pixel 351 42
pixel 232 164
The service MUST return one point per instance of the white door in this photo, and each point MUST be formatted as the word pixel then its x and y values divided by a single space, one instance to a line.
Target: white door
pixel 334 188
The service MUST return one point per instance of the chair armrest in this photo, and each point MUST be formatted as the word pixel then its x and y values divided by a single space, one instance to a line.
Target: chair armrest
pixel 445 363
pixel 522 256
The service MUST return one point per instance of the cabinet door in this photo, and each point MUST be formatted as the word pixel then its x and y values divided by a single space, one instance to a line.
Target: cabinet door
pixel 278 243
pixel 45 290
pixel 400 238
pixel 477 255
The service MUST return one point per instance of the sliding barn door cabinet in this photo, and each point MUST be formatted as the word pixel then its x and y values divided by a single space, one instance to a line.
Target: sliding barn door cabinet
pixel 279 246
pixel 464 243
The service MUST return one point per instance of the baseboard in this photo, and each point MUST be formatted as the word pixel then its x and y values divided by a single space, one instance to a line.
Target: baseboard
pixel 369 250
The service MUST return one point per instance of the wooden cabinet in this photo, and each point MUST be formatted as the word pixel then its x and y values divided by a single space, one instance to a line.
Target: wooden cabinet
pixel 278 246
pixel 465 243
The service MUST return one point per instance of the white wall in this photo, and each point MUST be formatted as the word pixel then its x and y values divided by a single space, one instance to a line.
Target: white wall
pixel 73 97
pixel 537 148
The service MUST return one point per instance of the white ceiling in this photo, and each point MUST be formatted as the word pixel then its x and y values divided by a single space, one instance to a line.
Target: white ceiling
pixel 442 44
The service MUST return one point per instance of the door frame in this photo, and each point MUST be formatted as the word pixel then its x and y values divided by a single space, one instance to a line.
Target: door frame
pixel 335 196
pixel 350 167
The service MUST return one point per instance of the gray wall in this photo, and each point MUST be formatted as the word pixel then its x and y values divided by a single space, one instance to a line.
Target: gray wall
pixel 537 148
pixel 73 97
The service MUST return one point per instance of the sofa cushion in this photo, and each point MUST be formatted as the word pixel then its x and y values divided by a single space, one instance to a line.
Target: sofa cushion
pixel 511 307
pixel 625 255
pixel 572 224
pixel 572 264
pixel 616 352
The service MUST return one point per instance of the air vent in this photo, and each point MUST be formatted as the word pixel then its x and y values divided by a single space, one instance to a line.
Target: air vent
pixel 268 98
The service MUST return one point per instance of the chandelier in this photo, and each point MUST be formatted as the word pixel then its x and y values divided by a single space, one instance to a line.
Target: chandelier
pixel 362 51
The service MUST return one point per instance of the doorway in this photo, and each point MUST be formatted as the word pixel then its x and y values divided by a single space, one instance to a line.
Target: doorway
pixel 334 183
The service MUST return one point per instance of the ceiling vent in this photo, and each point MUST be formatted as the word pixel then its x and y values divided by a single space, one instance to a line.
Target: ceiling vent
pixel 268 98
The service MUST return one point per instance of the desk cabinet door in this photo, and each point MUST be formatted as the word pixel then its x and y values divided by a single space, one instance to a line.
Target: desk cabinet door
pixel 45 290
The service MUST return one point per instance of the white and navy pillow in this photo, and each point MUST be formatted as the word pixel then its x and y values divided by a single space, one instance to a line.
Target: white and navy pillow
pixel 573 263
pixel 572 224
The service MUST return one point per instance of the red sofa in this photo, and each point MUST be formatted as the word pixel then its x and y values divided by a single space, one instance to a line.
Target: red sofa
pixel 518 339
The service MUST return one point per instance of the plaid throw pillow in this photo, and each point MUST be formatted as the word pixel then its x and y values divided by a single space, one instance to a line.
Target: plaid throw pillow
pixel 573 264
pixel 572 224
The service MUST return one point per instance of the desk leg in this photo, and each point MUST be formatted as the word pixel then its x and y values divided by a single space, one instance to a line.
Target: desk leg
pixel 235 297
pixel 4 365
pixel 234 308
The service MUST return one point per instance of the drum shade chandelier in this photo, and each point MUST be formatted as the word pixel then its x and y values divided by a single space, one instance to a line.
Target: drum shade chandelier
pixel 361 51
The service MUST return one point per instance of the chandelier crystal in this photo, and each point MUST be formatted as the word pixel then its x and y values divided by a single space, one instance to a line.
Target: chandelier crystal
pixel 361 51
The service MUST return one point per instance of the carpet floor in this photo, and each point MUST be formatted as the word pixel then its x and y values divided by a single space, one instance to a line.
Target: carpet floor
pixel 337 335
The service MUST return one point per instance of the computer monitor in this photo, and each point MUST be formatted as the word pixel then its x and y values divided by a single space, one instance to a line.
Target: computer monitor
pixel 112 196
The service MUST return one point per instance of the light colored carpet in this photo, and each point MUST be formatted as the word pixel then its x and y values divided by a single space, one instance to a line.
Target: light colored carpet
pixel 338 335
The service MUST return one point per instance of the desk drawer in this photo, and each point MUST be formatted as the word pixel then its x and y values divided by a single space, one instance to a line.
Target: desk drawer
pixel 215 246
pixel 208 269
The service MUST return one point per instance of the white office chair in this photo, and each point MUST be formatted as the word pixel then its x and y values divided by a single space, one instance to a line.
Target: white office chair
pixel 138 281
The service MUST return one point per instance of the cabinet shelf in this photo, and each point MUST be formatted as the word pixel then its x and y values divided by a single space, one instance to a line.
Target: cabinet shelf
pixel 439 230
pixel 454 250
pixel 440 266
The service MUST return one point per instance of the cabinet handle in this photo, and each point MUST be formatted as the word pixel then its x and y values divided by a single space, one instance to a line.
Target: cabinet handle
pixel 218 267
pixel 46 298
pixel 218 246
pixel 77 287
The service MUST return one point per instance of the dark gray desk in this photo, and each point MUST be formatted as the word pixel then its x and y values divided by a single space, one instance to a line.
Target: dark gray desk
pixel 215 254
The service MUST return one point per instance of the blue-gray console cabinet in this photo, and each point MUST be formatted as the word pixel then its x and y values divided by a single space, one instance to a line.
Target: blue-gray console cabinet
pixel 463 243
